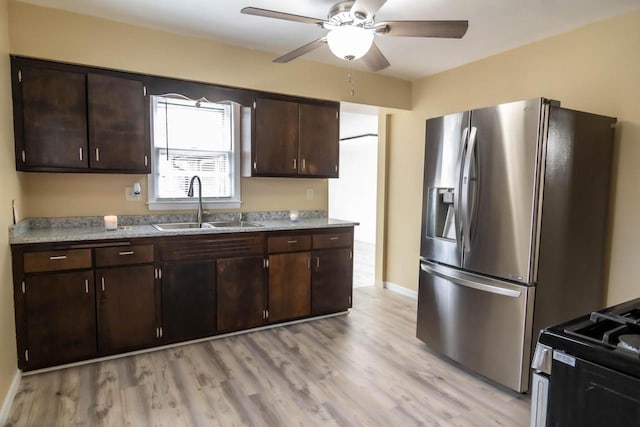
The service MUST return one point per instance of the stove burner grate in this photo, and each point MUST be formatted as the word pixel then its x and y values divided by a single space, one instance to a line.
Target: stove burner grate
pixel 630 342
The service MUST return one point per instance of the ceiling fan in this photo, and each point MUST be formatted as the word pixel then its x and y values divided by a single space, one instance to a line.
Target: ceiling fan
pixel 352 27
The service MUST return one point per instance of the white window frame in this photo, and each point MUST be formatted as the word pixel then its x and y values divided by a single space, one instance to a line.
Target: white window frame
pixel 233 202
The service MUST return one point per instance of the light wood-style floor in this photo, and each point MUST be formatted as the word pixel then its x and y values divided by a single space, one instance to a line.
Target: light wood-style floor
pixel 361 369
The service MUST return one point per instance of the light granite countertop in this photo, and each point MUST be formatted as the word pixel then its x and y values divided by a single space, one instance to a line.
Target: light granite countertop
pixel 73 229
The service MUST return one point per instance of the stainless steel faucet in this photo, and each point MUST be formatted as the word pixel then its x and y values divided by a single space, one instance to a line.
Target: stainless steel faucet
pixel 190 194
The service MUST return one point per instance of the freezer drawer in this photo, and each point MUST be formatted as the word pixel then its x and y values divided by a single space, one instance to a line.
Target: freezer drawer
pixel 482 323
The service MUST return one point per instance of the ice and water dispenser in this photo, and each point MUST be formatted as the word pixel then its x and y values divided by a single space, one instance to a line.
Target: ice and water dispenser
pixel 441 219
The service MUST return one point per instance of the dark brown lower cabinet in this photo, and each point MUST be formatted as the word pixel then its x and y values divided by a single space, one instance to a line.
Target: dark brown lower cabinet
pixel 79 301
pixel 60 318
pixel 188 300
pixel 331 280
pixel 126 308
pixel 241 293
pixel 289 286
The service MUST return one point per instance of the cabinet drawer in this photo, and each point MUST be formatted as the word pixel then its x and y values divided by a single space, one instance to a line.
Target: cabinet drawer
pixel 332 240
pixel 57 260
pixel 290 243
pixel 124 255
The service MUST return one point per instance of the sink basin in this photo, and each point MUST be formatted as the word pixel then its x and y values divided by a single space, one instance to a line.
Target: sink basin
pixel 233 224
pixel 181 226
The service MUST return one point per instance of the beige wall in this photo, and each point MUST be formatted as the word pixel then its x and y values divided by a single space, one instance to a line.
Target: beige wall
pixel 53 34
pixel 11 190
pixel 596 69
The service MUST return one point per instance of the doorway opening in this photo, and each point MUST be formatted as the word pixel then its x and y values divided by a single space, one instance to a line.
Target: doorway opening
pixel 353 196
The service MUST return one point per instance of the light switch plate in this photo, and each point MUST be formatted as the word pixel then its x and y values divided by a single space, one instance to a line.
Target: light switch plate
pixel 309 193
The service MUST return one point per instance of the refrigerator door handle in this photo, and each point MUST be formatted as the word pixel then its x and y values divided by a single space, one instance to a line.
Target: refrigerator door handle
pixel 457 191
pixel 466 184
pixel 467 280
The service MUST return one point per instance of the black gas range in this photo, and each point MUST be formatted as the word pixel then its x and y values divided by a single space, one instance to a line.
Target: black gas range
pixel 587 370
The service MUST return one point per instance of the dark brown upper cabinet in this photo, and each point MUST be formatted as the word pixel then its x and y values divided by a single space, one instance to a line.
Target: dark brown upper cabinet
pixel 295 137
pixel 276 137
pixel 53 119
pixel 319 142
pixel 117 134
pixel 70 118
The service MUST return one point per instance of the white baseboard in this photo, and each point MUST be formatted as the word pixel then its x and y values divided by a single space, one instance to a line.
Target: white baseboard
pixel 8 400
pixel 400 290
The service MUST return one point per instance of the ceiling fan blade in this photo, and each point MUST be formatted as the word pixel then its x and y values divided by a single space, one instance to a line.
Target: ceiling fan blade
pixel 301 51
pixel 443 29
pixel 367 8
pixel 374 59
pixel 281 15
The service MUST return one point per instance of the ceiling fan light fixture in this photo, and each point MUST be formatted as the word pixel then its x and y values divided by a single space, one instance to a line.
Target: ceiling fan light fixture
pixel 349 42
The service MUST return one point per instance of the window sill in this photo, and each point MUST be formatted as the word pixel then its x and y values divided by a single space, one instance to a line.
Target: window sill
pixel 175 205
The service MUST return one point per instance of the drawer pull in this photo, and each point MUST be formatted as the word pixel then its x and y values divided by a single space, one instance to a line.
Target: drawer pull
pixel 333 238
pixel 54 258
pixel 86 286
pixel 126 253
pixel 292 242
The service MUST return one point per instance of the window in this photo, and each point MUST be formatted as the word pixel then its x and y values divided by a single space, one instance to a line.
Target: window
pixel 194 138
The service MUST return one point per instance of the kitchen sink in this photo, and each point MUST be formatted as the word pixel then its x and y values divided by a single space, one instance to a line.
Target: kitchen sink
pixel 181 226
pixel 233 224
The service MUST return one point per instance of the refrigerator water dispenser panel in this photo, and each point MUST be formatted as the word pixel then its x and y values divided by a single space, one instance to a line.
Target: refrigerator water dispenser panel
pixel 441 215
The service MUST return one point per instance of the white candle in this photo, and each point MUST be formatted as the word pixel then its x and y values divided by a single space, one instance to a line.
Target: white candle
pixel 293 215
pixel 111 222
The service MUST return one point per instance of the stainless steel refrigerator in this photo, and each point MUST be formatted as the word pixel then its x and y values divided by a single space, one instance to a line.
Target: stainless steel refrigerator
pixel 513 232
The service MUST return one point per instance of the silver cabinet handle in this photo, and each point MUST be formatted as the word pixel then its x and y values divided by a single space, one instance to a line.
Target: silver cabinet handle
pixel 102 280
pixel 80 153
pixel 317 262
pixel 304 164
pixel 295 164
pixel 58 257
pixel 126 253
pixel 333 238
pixel 292 242
pixel 97 154
pixel 86 286
pixel 460 278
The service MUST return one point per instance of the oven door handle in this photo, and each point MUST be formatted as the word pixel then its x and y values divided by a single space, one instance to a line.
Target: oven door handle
pixel 467 280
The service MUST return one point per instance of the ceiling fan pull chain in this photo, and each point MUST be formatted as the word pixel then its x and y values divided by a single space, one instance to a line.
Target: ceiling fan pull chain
pixel 352 90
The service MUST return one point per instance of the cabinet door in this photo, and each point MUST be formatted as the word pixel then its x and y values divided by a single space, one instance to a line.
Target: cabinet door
pixel 240 293
pixel 188 300
pixel 289 286
pixel 54 119
pixel 319 140
pixel 126 308
pixel 117 136
pixel 276 138
pixel 60 318
pixel 331 280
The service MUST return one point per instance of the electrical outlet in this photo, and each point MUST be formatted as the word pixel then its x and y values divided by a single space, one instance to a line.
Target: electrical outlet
pixel 309 193
pixel 129 196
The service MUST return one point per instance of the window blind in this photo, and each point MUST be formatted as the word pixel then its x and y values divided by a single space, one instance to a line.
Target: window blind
pixel 192 138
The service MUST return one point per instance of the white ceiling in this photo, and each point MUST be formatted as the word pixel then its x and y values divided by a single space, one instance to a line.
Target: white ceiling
pixel 494 25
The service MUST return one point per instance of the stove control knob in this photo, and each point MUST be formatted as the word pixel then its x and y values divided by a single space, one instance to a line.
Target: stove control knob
pixel 542 358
